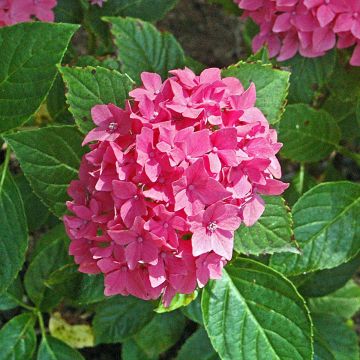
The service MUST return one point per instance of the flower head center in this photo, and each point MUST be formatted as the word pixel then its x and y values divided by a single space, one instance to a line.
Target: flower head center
pixel 140 239
pixel 191 187
pixel 215 149
pixel 212 226
pixel 112 127
pixel 356 15
pixel 166 225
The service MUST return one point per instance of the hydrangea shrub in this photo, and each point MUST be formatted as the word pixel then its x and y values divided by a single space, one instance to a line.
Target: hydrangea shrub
pixel 178 209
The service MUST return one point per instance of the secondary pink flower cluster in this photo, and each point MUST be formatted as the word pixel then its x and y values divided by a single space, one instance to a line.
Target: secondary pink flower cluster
pixel 167 182
pixel 17 11
pixel 97 2
pixel 310 27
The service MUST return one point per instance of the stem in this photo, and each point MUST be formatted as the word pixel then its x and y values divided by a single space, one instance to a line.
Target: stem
pixel 5 166
pixel 301 178
pixel 349 154
pixel 41 323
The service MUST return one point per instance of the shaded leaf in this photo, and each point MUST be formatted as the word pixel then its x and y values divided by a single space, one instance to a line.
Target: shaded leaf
pixel 54 349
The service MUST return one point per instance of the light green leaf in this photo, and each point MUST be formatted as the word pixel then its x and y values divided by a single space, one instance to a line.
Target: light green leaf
pixel 50 159
pixel 29 53
pixel 271 86
pixel 253 312
pixel 308 135
pixel 333 339
pixel 161 333
pixel 308 75
pixel 17 338
pixel 178 301
pixel 323 282
pixel 141 47
pixel 120 317
pixel 92 86
pixel 13 230
pixel 271 234
pixel 54 349
pixel 197 346
pixel 326 227
pixel 344 302
pixel 51 257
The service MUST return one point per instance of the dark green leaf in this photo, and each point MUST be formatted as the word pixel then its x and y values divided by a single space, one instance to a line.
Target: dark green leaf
pixel 308 75
pixel 193 311
pixel 35 210
pixel 325 227
pixel 344 302
pixel 50 159
pixel 52 256
pixel 29 53
pixel 299 186
pixel 120 317
pixel 13 230
pixel 53 349
pixel 130 350
pixel 197 346
pixel 161 333
pixel 10 299
pixel 333 339
pixel 93 86
pixel 68 11
pixel 254 312
pixel 271 86
pixel 17 338
pixel 141 47
pixel 271 234
pixel 308 135
pixel 228 5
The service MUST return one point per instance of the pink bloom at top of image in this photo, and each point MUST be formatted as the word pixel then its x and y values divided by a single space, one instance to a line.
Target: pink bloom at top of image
pixel 98 2
pixel 43 9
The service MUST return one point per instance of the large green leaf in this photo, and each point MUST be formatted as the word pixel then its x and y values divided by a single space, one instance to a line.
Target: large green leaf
pixel 52 256
pixel 50 159
pixel 253 312
pixel 13 230
pixel 162 332
pixel 197 346
pixel 308 75
pixel 119 318
pixel 333 339
pixel 10 299
pixel 17 338
pixel 29 53
pixel 91 86
pixel 323 282
pixel 271 86
pixel 344 302
pixel 271 234
pixel 326 227
pixel 308 135
pixel 141 47
pixel 53 349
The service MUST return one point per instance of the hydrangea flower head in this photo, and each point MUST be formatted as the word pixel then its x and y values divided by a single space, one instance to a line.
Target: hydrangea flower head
pixel 17 11
pixel 310 27
pixel 168 180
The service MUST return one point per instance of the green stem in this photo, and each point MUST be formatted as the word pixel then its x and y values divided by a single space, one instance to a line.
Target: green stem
pixel 301 178
pixel 41 323
pixel 349 154
pixel 5 166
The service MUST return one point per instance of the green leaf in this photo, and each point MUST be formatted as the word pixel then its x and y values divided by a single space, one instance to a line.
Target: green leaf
pixel 308 135
pixel 50 159
pixel 161 333
pixel 323 282
pixel 344 302
pixel 334 340
pixel 298 186
pixel 325 227
pixel 271 86
pixel 308 75
pixel 141 47
pixel 91 86
pixel 52 256
pixel 36 212
pixel 29 53
pixel 10 299
pixel 178 301
pixel 17 338
pixel 119 318
pixel 130 350
pixel 228 5
pixel 197 346
pixel 271 234
pixel 53 349
pixel 13 230
pixel 254 312
pixel 193 311
pixel 68 11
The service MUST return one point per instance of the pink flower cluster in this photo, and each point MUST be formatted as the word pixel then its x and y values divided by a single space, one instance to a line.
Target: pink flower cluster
pixel 167 182
pixel 97 2
pixel 310 27
pixel 17 11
